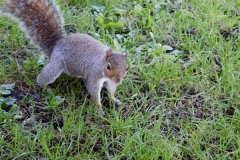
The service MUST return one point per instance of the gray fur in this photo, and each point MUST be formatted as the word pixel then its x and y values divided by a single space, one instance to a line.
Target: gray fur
pixel 77 55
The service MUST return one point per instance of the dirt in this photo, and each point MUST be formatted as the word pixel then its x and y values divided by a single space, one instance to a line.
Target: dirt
pixel 35 106
pixel 230 34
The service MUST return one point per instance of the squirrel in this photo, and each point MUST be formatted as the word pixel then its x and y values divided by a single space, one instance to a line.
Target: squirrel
pixel 77 54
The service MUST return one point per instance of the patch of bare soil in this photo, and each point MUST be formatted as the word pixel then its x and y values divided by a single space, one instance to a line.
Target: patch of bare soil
pixel 31 105
pixel 230 34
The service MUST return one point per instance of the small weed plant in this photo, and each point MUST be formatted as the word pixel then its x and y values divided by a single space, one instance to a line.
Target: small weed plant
pixel 5 102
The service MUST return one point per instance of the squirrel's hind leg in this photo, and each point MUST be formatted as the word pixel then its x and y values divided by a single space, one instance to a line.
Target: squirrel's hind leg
pixel 51 71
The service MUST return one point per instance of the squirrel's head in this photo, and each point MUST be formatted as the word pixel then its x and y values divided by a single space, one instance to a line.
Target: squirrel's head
pixel 115 67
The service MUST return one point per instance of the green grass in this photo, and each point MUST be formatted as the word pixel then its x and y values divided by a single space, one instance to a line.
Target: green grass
pixel 176 106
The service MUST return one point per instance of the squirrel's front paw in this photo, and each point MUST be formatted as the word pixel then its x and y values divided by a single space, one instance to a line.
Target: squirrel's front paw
pixel 117 101
pixel 101 112
pixel 41 80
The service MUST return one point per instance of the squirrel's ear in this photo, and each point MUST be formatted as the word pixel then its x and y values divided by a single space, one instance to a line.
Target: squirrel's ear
pixel 125 54
pixel 109 52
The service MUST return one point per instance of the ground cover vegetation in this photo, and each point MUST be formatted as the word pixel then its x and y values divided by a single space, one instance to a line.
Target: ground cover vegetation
pixel 180 98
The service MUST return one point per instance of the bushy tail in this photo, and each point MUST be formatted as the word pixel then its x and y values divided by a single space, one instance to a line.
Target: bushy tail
pixel 40 19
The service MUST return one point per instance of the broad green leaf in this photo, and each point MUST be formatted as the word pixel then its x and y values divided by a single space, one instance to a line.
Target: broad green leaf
pixel 132 33
pixel 116 44
pixel 99 9
pixel 151 20
pixel 14 110
pixel 7 116
pixel 2 99
pixel 118 11
pixel 167 48
pixel 177 52
pixel 9 101
pixel 158 45
pixel 60 99
pixel 1 118
pixel 138 7
pixel 5 92
pixel 100 20
pixel 1 112
pixel 56 101
pixel 7 86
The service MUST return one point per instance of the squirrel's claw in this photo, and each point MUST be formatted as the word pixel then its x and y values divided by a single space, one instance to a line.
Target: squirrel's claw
pixel 116 101
pixel 48 88
pixel 100 110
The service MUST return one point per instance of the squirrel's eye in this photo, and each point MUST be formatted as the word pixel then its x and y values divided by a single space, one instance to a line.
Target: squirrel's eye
pixel 126 69
pixel 108 66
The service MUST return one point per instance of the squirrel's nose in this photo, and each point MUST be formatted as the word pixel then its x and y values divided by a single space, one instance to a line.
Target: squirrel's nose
pixel 118 79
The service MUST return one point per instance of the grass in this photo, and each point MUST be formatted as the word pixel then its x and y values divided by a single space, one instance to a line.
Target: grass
pixel 181 103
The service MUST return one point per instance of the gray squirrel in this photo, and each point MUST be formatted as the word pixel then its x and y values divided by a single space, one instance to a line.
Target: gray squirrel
pixel 78 55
